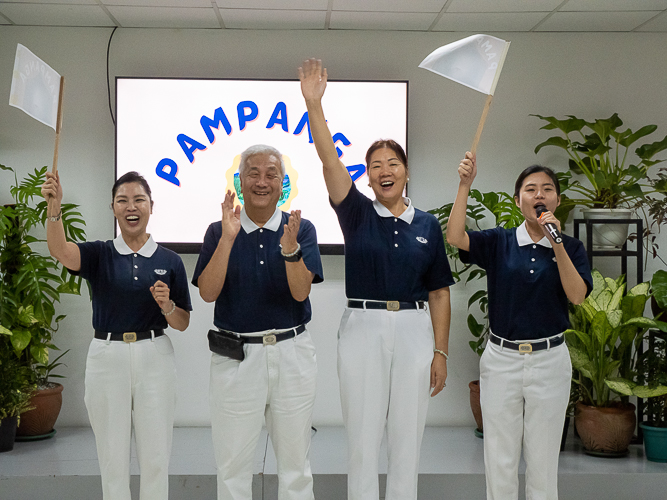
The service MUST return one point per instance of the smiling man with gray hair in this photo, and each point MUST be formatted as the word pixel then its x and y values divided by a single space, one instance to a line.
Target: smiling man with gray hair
pixel 257 264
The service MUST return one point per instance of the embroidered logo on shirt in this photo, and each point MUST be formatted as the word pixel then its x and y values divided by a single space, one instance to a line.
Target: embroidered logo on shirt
pixel 421 239
pixel 161 272
pixel 554 259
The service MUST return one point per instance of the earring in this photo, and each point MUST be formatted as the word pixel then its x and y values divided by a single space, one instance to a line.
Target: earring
pixel 406 180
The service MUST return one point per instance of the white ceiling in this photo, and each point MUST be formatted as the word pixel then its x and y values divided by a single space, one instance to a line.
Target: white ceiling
pixel 385 15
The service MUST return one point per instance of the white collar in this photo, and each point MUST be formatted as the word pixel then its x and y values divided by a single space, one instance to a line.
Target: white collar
pixel 407 215
pixel 523 238
pixel 273 224
pixel 145 251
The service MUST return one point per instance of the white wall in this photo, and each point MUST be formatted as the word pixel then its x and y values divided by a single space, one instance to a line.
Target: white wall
pixel 590 75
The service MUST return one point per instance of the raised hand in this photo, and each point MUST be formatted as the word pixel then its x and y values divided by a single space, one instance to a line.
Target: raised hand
pixel 231 217
pixel 51 189
pixel 291 229
pixel 313 79
pixel 468 169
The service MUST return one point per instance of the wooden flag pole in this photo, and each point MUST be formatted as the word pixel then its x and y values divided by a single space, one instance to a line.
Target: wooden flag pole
pixel 59 123
pixel 487 105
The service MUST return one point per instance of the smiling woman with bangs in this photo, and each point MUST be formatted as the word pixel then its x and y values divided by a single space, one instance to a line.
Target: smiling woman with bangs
pixel 391 351
pixel 139 288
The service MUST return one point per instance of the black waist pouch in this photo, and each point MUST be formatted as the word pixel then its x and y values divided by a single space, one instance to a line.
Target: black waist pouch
pixel 226 344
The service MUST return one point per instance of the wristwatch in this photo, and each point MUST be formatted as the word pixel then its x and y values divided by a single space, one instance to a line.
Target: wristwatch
pixel 295 256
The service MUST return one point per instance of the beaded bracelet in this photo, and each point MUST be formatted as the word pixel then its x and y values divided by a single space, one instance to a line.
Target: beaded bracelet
pixel 441 352
pixel 173 308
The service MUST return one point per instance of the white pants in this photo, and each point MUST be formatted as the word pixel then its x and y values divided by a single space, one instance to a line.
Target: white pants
pixel 384 368
pixel 524 398
pixel 277 382
pixel 126 384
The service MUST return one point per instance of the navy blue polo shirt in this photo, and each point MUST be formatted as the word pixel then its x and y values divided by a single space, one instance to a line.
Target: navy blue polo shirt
pixel 391 258
pixel 526 297
pixel 120 280
pixel 256 294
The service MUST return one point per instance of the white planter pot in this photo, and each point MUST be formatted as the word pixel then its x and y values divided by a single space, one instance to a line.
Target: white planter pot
pixel 608 236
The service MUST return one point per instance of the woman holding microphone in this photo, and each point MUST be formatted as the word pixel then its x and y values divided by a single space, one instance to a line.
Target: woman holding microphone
pixel 525 370
pixel 390 350
pixel 139 288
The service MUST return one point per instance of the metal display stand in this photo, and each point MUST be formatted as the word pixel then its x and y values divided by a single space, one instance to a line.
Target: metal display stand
pixel 623 253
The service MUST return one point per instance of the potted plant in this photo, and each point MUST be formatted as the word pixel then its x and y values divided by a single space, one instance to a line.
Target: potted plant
pixel 599 151
pixel 14 393
pixel 30 285
pixel 506 214
pixel 605 329
pixel 651 376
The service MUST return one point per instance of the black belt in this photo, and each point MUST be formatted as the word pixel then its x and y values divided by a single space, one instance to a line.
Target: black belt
pixel 389 305
pixel 528 347
pixel 128 336
pixel 271 338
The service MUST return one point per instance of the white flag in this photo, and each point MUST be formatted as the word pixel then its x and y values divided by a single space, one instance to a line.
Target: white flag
pixel 475 61
pixel 35 87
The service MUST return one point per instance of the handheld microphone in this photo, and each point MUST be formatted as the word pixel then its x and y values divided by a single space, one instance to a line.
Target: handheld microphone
pixel 551 227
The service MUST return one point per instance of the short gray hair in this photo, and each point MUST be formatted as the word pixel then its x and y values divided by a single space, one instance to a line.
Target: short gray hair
pixel 260 149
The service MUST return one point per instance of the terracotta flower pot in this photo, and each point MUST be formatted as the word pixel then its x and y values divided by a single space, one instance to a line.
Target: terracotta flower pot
pixel 605 430
pixel 40 420
pixel 475 405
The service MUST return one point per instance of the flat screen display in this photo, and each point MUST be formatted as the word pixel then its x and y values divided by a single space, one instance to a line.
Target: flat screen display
pixel 185 136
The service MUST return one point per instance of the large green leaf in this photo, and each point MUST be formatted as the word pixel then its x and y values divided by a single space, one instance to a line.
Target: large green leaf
pixel 604 127
pixel 616 299
pixel 40 353
pixel 20 339
pixel 580 360
pixel 604 299
pixel 599 283
pixel 5 331
pixel 642 322
pixel 553 141
pixel 659 288
pixel 614 317
pixel 629 140
pixel 647 151
pixel 572 124
pixel 601 328
pixel 649 392
pixel 640 289
pixel 474 326
pixel 621 386
pixel 26 316
pixel 584 338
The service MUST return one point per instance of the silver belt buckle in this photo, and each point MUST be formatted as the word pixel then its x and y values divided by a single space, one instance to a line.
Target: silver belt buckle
pixel 525 348
pixel 269 339
pixel 129 337
pixel 393 305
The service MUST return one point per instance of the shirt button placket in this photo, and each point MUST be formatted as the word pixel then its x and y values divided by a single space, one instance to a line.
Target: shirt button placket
pixel 395 234
pixel 135 267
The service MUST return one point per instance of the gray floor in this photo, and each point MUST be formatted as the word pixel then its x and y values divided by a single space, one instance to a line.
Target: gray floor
pixel 452 467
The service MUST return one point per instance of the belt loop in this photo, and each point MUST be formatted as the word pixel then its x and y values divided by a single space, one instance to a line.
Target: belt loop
pixel 364 305
pixel 548 345
pixel 417 305
pixel 152 335
pixel 502 344
pixel 109 338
